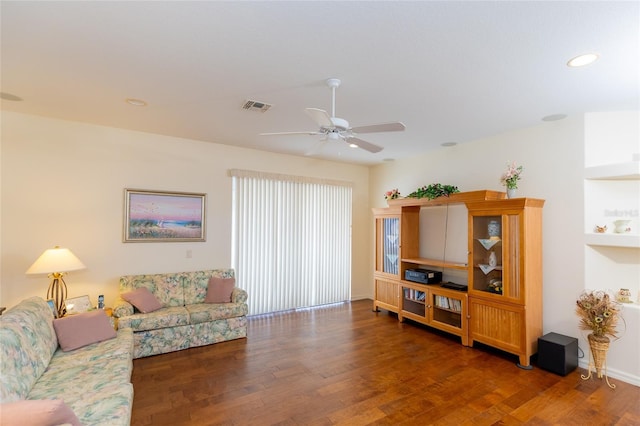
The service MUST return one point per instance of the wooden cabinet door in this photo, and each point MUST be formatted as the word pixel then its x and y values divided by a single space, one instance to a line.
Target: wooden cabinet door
pixel 387 295
pixel 499 325
pixel 448 312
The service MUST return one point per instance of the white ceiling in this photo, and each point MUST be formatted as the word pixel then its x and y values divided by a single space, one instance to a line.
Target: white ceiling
pixel 450 71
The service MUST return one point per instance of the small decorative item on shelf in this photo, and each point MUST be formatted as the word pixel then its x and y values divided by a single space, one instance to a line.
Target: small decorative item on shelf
pixel 622 226
pixel 495 286
pixel 624 295
pixel 434 191
pixel 487 243
pixel 600 229
pixel 510 178
pixel 598 313
pixel 486 268
pixel 493 228
pixel 493 260
pixel 392 195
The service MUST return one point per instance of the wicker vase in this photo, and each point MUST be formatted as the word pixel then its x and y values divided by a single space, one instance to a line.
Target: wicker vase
pixel 599 346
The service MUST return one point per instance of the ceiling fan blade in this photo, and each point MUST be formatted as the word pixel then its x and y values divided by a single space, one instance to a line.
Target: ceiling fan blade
pixel 291 133
pixel 320 116
pixel 367 146
pixel 395 126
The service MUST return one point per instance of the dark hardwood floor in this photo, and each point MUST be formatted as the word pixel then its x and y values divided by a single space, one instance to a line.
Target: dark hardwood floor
pixel 346 365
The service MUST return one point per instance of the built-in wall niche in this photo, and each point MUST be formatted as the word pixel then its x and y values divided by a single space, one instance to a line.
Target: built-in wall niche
pixel 443 235
pixel 612 260
pixel 607 201
pixel 618 267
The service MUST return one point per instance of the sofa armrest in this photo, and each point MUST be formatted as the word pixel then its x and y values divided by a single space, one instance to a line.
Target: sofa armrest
pixel 239 295
pixel 122 308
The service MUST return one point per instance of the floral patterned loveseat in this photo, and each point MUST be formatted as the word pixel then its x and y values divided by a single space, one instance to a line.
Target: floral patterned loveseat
pixel 185 320
pixel 94 380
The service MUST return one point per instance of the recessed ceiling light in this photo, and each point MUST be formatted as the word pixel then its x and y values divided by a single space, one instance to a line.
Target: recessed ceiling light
pixel 554 117
pixel 136 102
pixel 448 144
pixel 353 145
pixel 583 60
pixel 9 97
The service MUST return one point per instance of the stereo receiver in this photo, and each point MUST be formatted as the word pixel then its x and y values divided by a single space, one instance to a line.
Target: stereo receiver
pixel 423 276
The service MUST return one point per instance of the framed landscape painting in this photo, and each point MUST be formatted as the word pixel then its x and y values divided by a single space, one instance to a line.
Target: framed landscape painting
pixel 159 216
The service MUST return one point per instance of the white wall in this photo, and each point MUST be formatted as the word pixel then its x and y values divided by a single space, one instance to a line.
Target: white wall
pixel 63 182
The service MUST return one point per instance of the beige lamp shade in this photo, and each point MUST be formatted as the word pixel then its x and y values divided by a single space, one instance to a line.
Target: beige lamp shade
pixel 56 260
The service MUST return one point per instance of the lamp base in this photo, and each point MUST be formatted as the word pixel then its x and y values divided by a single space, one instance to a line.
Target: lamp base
pixel 58 292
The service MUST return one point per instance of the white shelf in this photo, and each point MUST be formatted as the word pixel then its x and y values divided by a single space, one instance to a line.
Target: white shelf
pixel 620 171
pixel 612 240
pixel 630 306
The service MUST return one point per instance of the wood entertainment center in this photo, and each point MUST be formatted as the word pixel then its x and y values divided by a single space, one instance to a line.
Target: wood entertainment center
pixel 502 306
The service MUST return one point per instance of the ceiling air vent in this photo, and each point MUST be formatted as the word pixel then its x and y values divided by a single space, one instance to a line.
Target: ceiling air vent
pixel 256 106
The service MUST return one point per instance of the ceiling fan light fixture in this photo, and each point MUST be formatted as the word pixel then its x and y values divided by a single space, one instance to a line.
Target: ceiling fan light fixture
pixel 353 145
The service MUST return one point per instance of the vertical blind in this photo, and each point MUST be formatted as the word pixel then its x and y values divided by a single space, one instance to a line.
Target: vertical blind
pixel 291 240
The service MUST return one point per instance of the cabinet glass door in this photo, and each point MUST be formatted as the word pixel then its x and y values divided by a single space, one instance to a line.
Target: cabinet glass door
pixel 496 255
pixel 414 301
pixel 487 254
pixel 446 310
pixel 390 244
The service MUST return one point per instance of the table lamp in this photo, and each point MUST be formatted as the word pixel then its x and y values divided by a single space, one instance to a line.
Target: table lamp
pixel 56 262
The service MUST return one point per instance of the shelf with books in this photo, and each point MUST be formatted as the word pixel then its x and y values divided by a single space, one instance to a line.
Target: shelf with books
pixel 447 304
pixel 435 306
pixel 414 295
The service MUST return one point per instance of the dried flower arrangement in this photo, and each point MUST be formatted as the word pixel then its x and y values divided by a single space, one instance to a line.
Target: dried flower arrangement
pixel 598 312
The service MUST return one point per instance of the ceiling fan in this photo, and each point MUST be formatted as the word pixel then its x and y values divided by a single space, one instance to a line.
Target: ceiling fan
pixel 334 128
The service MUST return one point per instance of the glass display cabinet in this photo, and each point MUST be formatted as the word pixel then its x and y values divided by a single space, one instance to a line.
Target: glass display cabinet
pixel 505 275
pixel 387 261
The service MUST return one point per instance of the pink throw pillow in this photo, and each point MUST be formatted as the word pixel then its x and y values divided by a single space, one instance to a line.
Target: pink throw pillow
pixel 37 412
pixel 76 331
pixel 219 290
pixel 142 299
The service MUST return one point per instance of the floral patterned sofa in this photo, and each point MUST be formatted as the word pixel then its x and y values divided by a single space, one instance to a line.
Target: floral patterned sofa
pixel 185 320
pixel 94 381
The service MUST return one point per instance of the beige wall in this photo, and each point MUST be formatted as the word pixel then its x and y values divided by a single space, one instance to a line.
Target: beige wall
pixel 63 182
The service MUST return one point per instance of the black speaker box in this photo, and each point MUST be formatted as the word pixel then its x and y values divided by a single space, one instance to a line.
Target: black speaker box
pixel 558 353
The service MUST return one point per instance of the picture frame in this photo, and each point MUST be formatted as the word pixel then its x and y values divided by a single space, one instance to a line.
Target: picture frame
pixel 77 305
pixel 162 216
pixel 52 306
